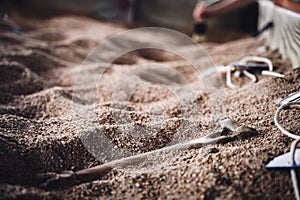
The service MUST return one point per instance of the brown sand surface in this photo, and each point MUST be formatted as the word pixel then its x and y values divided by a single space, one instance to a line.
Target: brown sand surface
pixel 39 133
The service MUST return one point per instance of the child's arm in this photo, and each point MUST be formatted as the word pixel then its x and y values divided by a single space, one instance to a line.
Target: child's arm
pixel 220 8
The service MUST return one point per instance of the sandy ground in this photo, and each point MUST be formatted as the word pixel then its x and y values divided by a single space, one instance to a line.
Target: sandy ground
pixel 39 131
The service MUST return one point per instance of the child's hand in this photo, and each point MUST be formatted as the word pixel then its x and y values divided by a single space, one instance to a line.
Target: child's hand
pixel 203 13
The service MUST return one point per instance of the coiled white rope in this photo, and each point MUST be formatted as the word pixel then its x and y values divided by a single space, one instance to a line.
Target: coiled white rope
pixel 252 77
pixel 290 105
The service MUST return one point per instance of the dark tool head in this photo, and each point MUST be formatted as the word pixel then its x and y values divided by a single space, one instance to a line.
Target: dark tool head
pixel 200 28
pixel 294 97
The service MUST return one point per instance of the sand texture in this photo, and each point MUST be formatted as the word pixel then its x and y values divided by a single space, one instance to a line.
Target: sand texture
pixel 134 107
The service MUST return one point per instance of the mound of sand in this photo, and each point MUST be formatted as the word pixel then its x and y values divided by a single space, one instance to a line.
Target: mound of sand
pixel 134 107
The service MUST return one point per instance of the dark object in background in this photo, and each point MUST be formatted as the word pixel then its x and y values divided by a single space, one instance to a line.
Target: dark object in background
pixel 263 29
pixel 200 27
pixel 200 30
pixel 249 18
pixel 6 23
pixel 294 97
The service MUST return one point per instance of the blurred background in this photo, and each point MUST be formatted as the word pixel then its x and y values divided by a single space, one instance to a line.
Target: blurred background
pixel 134 13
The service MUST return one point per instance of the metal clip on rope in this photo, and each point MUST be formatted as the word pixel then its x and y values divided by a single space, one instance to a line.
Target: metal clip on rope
pixel 289 105
pixel 290 102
